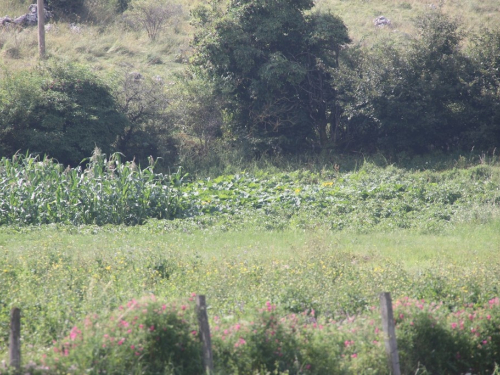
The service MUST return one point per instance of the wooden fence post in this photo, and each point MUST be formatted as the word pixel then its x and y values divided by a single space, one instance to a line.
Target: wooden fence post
pixel 201 311
pixel 391 346
pixel 15 338
pixel 41 28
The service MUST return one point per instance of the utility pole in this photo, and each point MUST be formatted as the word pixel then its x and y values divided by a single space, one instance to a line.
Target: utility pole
pixel 41 28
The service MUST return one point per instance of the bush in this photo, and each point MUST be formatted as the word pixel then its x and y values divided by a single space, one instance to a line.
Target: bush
pixel 65 8
pixel 149 129
pixel 145 336
pixel 152 16
pixel 149 336
pixel 60 109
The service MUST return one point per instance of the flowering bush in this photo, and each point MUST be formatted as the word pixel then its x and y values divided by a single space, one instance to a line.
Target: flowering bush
pixel 461 341
pixel 144 336
pixel 151 337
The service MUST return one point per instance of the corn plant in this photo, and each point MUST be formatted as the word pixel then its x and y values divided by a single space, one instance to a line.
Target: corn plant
pixel 39 191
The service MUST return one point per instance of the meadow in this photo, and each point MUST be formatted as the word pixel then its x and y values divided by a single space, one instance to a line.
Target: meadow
pixel 271 251
pixel 105 259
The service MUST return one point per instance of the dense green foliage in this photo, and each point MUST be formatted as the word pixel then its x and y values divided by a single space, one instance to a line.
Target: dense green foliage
pixel 35 191
pixel 148 336
pixel 271 61
pixel 263 79
pixel 297 86
pixel 431 94
pixel 278 79
pixel 62 110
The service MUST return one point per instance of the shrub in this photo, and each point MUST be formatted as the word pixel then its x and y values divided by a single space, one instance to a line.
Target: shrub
pixel 148 336
pixel 143 100
pixel 143 337
pixel 65 8
pixel 152 16
pixel 59 109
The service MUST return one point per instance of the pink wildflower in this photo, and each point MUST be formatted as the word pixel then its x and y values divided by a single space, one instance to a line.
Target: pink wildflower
pixel 453 325
pixel 163 307
pixel 121 341
pixel 74 333
pixel 152 328
pixel 183 307
pixel 240 342
pixel 132 347
pixel 355 355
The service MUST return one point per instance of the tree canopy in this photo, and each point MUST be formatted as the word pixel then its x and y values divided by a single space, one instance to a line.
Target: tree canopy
pixel 273 61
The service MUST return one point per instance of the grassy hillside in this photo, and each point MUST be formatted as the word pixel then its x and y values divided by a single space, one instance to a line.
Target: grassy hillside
pixel 107 43
pixel 359 15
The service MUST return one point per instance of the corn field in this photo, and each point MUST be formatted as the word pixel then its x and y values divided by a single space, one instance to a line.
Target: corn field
pixel 40 191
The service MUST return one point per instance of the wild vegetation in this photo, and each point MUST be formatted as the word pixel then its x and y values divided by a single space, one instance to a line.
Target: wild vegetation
pixel 198 80
pixel 326 242
pixel 324 160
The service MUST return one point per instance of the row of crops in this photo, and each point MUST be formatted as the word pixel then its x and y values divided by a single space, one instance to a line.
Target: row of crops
pixel 35 191
pixel 108 191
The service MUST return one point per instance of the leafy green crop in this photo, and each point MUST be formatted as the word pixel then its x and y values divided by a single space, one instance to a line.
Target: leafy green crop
pixel 35 191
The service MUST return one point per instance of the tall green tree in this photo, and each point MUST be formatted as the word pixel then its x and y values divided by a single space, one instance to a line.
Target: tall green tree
pixel 272 61
pixel 485 55
pixel 422 99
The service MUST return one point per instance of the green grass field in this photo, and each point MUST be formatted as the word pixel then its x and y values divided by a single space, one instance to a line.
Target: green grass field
pixel 57 276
